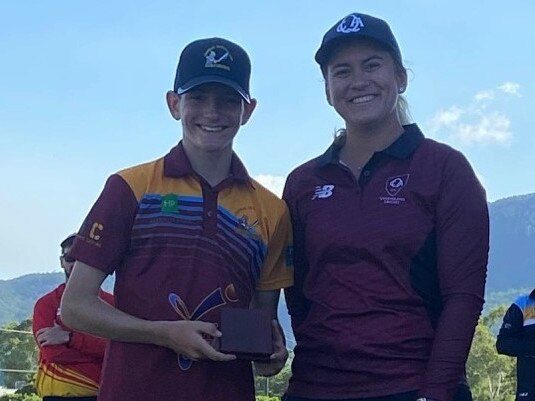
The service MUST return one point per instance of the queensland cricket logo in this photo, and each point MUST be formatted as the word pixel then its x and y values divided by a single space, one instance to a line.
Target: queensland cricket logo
pixel 212 301
pixel 396 184
pixel 351 23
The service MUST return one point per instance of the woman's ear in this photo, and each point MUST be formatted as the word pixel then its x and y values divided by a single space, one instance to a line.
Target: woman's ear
pixel 401 78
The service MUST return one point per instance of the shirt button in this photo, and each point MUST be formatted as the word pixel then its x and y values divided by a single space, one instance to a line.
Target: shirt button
pixel 210 213
pixel 366 173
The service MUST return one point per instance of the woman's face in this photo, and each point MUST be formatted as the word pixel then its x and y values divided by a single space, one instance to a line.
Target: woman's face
pixel 363 83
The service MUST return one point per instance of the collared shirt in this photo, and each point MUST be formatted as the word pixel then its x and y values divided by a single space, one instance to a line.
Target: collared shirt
pixel 71 369
pixel 182 249
pixel 389 271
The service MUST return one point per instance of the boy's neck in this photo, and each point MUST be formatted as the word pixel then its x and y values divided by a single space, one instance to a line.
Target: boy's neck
pixel 214 167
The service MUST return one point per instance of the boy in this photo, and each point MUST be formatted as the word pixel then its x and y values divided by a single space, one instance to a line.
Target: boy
pixel 185 235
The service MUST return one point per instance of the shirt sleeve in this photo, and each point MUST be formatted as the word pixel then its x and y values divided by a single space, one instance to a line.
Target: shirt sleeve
pixel 277 271
pixel 510 339
pixel 105 235
pixel 462 226
pixel 44 313
pixel 298 305
pixel 81 348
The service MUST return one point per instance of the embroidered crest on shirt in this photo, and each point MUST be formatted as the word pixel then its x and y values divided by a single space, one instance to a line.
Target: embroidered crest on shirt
pixel 323 191
pixel 393 187
pixel 247 229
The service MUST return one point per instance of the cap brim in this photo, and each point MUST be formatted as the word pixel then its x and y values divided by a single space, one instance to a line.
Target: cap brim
pixel 213 78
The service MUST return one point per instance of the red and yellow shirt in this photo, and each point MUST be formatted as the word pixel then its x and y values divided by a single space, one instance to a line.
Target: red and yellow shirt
pixel 72 369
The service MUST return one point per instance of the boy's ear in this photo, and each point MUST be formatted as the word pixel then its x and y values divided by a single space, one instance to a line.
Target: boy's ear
pixel 248 109
pixel 173 103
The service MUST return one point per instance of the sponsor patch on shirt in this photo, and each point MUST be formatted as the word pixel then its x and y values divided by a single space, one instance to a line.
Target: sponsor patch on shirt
pixel 170 203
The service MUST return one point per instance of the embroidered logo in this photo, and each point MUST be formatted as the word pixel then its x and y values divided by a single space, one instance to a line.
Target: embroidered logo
pixel 393 186
pixel 247 229
pixel 351 23
pixel 396 184
pixel 323 191
pixel 170 203
pixel 215 56
pixel 91 233
pixel 95 231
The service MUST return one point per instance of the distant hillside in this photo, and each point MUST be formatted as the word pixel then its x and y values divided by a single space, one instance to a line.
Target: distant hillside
pixel 18 296
pixel 512 243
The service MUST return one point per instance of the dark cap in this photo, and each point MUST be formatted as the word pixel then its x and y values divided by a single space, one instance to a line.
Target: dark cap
pixel 213 60
pixel 67 241
pixel 358 26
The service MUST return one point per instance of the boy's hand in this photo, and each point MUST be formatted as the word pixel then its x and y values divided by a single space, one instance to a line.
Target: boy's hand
pixel 192 339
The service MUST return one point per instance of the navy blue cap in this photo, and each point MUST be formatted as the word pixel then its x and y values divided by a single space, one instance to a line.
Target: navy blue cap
pixel 358 26
pixel 213 60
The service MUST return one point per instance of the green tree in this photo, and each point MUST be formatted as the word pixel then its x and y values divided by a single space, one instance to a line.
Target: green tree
pixel 20 397
pixel 491 376
pixel 274 386
pixel 18 351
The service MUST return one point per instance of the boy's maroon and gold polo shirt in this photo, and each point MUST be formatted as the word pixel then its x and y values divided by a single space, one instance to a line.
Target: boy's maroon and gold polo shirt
pixel 181 250
pixel 389 271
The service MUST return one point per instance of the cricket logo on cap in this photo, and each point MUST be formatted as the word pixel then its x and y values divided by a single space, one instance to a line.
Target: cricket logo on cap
pixel 216 55
pixel 351 23
pixel 396 184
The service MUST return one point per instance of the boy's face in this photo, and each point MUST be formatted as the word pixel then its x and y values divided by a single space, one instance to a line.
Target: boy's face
pixel 211 115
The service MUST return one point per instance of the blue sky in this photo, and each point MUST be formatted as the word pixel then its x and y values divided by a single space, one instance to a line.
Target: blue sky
pixel 82 95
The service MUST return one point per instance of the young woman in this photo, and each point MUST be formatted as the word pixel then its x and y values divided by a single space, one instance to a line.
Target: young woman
pixel 391 240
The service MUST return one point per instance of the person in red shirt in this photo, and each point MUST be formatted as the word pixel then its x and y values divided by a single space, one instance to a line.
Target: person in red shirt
pixel 390 240
pixel 70 361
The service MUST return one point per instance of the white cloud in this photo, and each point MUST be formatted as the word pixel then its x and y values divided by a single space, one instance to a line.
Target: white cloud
pixel 444 119
pixel 510 87
pixel 490 128
pixel 272 182
pixel 448 117
pixel 478 121
pixel 484 95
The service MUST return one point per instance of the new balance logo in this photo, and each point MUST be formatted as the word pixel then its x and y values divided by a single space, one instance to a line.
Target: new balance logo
pixel 323 191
